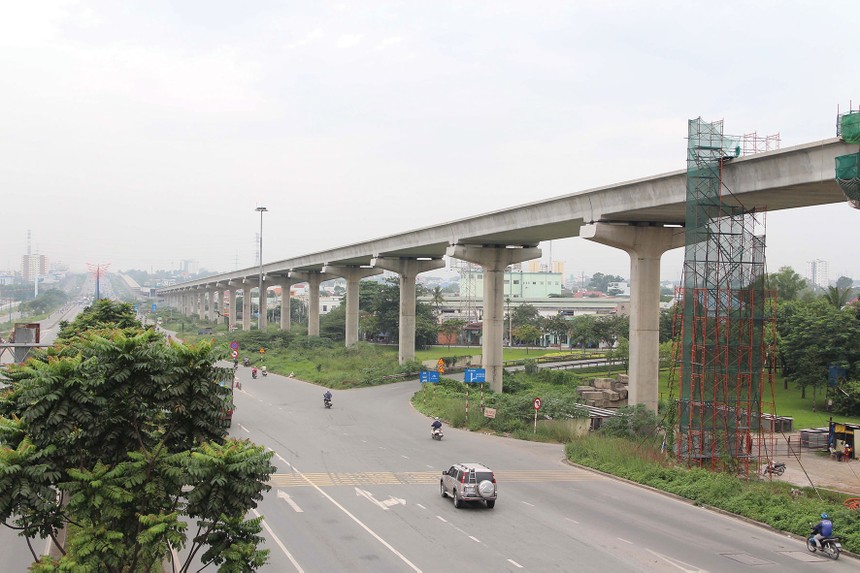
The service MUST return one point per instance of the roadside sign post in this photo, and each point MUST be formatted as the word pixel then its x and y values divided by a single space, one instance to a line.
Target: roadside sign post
pixel 537 405
pixel 474 376
pixel 430 376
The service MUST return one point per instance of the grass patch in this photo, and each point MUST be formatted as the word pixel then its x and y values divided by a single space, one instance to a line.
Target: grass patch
pixel 768 502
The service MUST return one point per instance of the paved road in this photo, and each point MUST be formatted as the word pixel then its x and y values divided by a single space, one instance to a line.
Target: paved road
pixel 357 490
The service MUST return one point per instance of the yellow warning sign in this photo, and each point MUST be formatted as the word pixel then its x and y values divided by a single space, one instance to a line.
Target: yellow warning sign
pixel 440 366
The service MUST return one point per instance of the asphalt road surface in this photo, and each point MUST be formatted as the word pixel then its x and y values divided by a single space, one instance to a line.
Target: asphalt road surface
pixel 357 489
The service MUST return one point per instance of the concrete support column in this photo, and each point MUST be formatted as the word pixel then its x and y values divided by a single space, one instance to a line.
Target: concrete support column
pixel 285 304
pixel 231 313
pixel 189 304
pixel 493 261
pixel 201 303
pixel 313 278
pixel 210 300
pixel 262 307
pixel 353 276
pixel 646 246
pixel 218 306
pixel 408 269
pixel 246 307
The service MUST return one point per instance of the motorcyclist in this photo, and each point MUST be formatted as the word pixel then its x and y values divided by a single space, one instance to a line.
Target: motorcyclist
pixel 263 369
pixel 246 361
pixel 436 426
pixel 254 372
pixel 822 530
pixel 327 396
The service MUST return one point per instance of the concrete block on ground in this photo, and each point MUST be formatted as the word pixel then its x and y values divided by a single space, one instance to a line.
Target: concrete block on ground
pixel 623 378
pixel 604 383
pixel 581 389
pixel 592 395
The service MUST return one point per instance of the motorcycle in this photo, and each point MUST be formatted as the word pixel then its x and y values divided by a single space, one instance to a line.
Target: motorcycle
pixel 436 434
pixel 830 546
pixel 774 469
pixel 265 372
pixel 327 402
pixel 254 373
pixel 246 362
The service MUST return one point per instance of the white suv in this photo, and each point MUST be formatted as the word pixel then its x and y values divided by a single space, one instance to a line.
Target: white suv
pixel 469 482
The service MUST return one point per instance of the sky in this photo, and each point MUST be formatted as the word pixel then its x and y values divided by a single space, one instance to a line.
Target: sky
pixel 140 134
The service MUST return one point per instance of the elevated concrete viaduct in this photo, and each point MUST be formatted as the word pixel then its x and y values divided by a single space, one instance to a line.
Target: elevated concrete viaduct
pixel 644 217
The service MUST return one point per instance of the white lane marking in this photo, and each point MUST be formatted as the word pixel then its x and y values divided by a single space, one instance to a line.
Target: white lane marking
pixel 404 457
pixel 381 448
pixel 363 441
pixel 573 520
pixel 440 518
pixel 514 563
pixel 384 504
pixel 429 466
pixel 676 562
pixel 282 459
pixel 358 521
pixel 624 540
pixel 475 539
pixel 527 503
pixel 280 544
pixel 286 497
pixel 244 428
pixel 421 506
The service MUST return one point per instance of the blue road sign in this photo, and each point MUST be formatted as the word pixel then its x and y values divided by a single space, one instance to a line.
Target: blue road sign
pixel 136 308
pixel 428 376
pixel 474 375
pixel 153 307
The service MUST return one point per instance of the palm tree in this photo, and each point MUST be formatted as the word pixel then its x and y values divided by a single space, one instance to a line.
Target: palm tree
pixel 836 296
pixel 438 299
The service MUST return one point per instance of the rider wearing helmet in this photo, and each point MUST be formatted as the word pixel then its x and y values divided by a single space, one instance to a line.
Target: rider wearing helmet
pixel 436 425
pixel 822 529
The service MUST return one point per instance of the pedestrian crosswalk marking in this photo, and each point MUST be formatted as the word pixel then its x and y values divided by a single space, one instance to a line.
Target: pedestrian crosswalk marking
pixel 326 479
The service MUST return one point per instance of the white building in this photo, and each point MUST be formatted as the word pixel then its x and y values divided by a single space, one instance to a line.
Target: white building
pixel 816 273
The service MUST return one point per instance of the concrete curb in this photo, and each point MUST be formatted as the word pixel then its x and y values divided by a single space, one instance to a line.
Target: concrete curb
pixel 707 507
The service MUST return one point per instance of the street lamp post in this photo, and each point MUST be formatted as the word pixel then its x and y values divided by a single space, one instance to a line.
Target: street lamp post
pixel 260 299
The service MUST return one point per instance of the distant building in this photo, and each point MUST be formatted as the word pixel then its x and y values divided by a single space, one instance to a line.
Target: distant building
pixel 189 266
pixel 517 284
pixel 816 273
pixel 33 266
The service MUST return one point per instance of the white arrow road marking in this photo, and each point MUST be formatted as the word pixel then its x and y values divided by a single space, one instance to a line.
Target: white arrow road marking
pixel 244 428
pixel 679 564
pixel 286 497
pixel 384 504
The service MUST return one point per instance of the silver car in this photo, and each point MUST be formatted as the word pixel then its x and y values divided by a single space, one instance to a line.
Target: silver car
pixel 469 482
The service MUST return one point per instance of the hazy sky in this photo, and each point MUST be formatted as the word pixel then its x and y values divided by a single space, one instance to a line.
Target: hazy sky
pixel 143 133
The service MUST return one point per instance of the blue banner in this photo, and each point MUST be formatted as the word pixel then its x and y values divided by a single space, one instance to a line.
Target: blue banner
pixel 474 375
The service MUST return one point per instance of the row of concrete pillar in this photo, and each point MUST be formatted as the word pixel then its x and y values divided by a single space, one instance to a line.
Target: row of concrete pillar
pixel 644 244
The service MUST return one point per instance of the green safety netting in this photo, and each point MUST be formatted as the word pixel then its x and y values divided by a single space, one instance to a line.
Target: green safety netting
pixel 849 127
pixel 848 175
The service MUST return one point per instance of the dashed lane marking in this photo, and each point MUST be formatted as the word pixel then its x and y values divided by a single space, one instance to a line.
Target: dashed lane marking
pixel 421 478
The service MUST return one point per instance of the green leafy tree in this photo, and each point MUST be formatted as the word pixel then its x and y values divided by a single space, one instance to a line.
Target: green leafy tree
pixel 120 434
pixel 583 331
pixel 526 334
pixel 437 299
pixel 844 282
pixel 526 314
pixel 102 314
pixel 558 326
pixel 600 282
pixel 787 283
pixel 846 399
pixel 451 329
pixel 46 301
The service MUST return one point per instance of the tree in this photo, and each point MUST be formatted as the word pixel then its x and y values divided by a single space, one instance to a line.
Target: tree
pixel 600 282
pixel 452 329
pixel 787 283
pixel 437 299
pixel 583 331
pixel 525 314
pixel 844 282
pixel 837 297
pixel 558 326
pixel 102 314
pixel 120 433
pixel 526 334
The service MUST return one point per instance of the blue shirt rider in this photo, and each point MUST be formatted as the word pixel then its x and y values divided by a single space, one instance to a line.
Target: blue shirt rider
pixel 822 530
pixel 436 425
pixel 327 396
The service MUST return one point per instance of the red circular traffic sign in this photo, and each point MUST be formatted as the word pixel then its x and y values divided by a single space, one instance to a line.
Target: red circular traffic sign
pixel 234 345
pixel 537 403
pixel 234 354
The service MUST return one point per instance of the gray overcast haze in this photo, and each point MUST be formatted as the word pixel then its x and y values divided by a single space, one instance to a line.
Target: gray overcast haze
pixel 144 133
